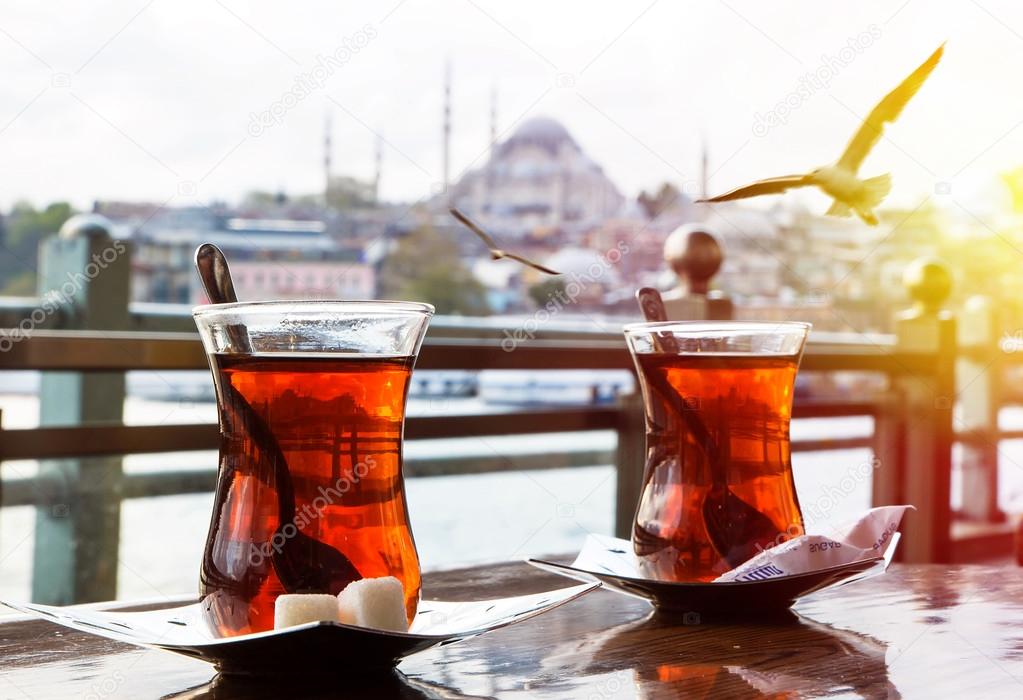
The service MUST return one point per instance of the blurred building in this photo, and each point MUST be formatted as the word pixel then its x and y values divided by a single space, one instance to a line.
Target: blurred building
pixel 502 281
pixel 538 178
pixel 258 280
pixel 271 258
pixel 753 247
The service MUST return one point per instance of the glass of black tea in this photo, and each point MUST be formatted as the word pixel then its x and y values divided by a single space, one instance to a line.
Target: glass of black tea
pixel 310 495
pixel 717 485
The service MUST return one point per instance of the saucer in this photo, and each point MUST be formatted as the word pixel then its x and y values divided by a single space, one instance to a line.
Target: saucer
pixel 614 566
pixel 314 648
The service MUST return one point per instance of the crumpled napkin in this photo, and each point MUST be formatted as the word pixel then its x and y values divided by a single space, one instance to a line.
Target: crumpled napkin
pixel 868 537
pixel 874 534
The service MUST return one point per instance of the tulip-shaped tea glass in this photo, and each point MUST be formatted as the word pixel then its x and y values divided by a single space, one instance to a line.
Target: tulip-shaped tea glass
pixel 310 495
pixel 718 485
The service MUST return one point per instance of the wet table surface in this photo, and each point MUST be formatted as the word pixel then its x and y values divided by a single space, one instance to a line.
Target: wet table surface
pixel 919 631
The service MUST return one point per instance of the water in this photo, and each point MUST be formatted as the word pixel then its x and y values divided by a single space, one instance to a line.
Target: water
pixel 456 519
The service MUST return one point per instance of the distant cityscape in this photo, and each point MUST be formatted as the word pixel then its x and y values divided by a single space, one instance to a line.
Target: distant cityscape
pixel 540 193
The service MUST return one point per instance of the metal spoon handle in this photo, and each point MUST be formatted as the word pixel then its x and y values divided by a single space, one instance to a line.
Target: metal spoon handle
pixel 216 280
pixel 652 306
pixel 215 274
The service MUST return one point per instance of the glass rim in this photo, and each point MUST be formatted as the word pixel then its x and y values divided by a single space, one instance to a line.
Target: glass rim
pixel 731 327
pixel 368 306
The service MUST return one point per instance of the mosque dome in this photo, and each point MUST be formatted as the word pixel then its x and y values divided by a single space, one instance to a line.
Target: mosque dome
pixel 538 178
pixel 543 132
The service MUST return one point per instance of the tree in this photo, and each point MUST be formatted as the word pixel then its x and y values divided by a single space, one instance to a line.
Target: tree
pixel 20 284
pixel 23 229
pixel 261 199
pixel 541 292
pixel 425 267
pixel 344 193
pixel 25 224
pixel 656 204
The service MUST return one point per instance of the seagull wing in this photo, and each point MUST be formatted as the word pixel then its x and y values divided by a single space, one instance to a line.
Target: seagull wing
pixel 471 225
pixel 772 185
pixel 887 110
pixel 496 252
pixel 530 263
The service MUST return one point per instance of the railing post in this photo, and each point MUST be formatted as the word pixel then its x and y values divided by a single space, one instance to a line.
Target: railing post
pixel 925 404
pixel 630 459
pixel 979 377
pixel 888 484
pixel 87 273
pixel 695 256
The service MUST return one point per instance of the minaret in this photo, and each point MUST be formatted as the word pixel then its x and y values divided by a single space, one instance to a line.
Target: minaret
pixel 488 204
pixel 493 121
pixel 447 124
pixel 704 170
pixel 326 156
pixel 379 158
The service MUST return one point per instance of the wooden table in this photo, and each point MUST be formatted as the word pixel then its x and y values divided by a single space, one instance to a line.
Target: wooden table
pixel 919 631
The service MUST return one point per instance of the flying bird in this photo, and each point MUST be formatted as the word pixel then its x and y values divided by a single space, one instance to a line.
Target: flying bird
pixel 840 180
pixel 497 253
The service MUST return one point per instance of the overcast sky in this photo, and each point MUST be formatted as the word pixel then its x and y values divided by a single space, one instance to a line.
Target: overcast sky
pixel 154 99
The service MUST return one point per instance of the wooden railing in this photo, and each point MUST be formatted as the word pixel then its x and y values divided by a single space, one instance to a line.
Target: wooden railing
pixel 82 434
pixel 103 352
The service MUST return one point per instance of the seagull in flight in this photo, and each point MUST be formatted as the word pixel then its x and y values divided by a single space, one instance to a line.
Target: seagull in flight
pixel 840 180
pixel 495 252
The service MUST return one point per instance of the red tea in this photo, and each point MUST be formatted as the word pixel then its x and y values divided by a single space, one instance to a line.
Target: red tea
pixel 336 424
pixel 740 404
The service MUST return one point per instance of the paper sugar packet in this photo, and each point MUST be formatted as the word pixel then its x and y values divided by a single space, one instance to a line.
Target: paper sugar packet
pixel 868 537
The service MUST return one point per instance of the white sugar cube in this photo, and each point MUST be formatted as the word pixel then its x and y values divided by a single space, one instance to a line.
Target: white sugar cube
pixel 299 608
pixel 374 602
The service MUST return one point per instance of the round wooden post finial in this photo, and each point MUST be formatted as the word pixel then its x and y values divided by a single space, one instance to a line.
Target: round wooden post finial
pixel 695 255
pixel 86 226
pixel 929 283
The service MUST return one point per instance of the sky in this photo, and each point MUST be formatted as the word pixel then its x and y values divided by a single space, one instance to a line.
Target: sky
pixel 161 101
